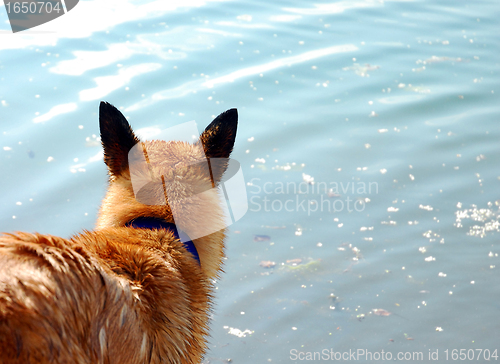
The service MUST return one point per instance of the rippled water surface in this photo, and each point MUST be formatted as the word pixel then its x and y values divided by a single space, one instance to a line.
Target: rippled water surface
pixel 368 138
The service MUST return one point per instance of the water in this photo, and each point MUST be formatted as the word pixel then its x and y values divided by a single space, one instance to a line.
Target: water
pixel 396 99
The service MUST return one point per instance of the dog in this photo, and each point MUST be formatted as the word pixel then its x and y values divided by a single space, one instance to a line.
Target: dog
pixel 130 291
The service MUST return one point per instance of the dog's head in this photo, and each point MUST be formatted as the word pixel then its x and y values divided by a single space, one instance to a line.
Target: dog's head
pixel 168 180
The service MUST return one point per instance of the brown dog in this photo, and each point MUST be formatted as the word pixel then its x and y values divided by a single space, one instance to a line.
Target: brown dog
pixel 131 291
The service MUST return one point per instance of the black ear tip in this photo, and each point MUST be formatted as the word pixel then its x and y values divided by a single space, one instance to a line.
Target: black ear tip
pixel 105 106
pixel 228 117
pixel 232 113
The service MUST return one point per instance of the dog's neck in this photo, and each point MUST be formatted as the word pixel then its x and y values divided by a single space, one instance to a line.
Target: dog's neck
pixel 155 223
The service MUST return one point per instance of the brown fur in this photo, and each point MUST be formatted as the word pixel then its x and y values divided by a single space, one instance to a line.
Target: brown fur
pixel 119 294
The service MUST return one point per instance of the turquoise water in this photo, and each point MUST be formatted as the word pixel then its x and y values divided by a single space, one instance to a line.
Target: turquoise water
pixel 396 99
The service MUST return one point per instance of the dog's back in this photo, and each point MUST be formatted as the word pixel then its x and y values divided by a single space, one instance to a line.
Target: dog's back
pixel 122 293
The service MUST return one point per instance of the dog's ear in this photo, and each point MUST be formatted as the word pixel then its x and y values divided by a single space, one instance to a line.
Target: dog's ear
pixel 117 138
pixel 218 141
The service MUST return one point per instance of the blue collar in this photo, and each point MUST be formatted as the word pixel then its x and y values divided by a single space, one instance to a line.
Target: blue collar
pixel 154 223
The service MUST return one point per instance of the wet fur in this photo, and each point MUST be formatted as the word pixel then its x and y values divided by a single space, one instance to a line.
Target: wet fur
pixel 118 294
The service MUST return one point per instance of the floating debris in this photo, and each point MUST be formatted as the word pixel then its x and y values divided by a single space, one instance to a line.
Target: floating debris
pixel 486 220
pixel 267 264
pixel 412 280
pixel 436 59
pixel 307 178
pixel 310 266
pixel 425 207
pixel 417 89
pixel 294 262
pixel 331 193
pixel 432 236
pixel 381 312
pixel 290 167
pixel 261 238
pixel 93 141
pixel 274 227
pixel 238 332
